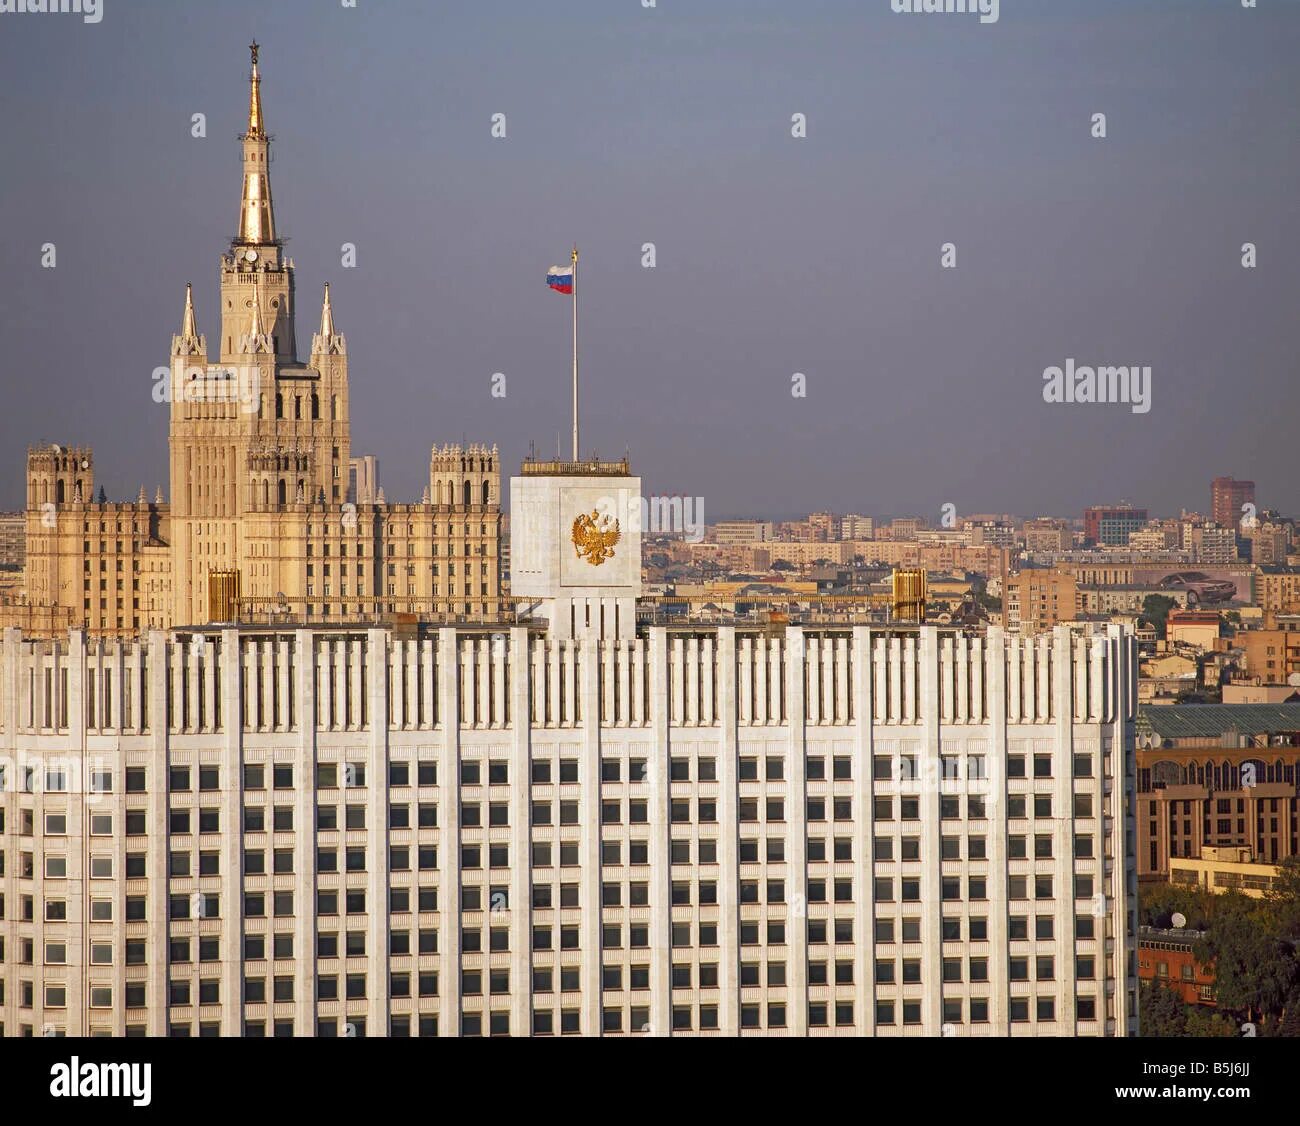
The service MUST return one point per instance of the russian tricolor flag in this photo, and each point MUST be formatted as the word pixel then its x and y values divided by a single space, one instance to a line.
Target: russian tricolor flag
pixel 560 278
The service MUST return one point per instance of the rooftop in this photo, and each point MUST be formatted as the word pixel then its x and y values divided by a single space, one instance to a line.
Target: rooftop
pixel 1201 721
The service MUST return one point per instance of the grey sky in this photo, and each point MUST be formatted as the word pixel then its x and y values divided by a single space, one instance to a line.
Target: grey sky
pixel 775 255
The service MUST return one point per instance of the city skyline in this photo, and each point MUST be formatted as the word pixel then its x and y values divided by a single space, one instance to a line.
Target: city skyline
pixel 452 246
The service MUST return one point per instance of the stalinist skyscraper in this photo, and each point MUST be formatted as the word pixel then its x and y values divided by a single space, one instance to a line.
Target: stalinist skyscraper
pixel 260 522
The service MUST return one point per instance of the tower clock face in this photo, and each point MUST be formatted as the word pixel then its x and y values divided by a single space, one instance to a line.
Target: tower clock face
pixel 250 256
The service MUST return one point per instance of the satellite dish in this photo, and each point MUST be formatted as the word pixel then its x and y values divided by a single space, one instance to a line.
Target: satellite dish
pixel 1179 920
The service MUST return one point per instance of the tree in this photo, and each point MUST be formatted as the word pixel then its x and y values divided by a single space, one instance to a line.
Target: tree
pixel 1161 1011
pixel 1255 970
pixel 1155 609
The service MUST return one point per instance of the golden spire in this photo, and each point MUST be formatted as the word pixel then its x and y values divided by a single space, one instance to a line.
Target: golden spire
pixel 255 96
pixel 256 213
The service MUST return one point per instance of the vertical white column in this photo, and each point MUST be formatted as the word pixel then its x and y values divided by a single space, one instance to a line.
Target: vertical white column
pixel 931 899
pixel 352 652
pixel 231 991
pixel 283 689
pixel 638 682
pixel 484 682
pixel 691 693
pixel 589 940
pixel 661 947
pixel 427 659
pixel 745 681
pixel 449 834
pixel 518 662
pixel 843 710
pixel 156 847
pixel 828 680
pixel 1063 684
pixel 605 650
pixel 10 681
pixel 266 687
pixel 304 832
pixel 864 915
pixel 812 680
pixel 728 837
pixel 679 681
pixel 995 665
pixel 78 862
pixel 521 891
pixel 376 642
pixel 708 670
pixel 796 845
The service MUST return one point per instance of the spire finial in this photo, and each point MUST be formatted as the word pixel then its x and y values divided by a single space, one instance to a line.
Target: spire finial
pixel 255 95
pixel 327 315
pixel 189 329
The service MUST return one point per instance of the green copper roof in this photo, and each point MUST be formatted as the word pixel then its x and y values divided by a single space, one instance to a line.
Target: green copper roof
pixel 1199 721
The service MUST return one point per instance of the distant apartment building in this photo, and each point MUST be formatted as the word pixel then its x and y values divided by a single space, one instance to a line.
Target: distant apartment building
pixel 944 536
pixel 1121 599
pixel 905 527
pixel 1227 498
pixel 1212 544
pixel 1277 590
pixel 742 531
pixel 996 533
pixel 1040 600
pixel 827 523
pixel 1269 544
pixel 363 479
pixel 1112 524
pixel 1157 537
pixel 13 540
pixel 803 554
pixel 1047 535
pixel 857 528
pixel 1272 656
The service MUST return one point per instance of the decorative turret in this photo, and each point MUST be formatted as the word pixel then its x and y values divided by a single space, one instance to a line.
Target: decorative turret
pixel 189 342
pixel 328 342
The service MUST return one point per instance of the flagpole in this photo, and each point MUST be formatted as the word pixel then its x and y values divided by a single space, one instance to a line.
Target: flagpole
pixel 575 355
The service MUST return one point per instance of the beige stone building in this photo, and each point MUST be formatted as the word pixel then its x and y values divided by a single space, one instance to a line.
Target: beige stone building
pixel 260 465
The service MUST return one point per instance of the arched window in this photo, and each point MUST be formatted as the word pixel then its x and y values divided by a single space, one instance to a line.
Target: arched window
pixel 469 494
pixel 297 407
pixel 485 492
pixel 451 493
pixel 266 494
pixel 279 405
pixel 315 406
pixel 281 491
pixel 58 492
pixel 334 407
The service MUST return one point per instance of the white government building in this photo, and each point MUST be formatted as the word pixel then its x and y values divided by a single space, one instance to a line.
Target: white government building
pixel 569 825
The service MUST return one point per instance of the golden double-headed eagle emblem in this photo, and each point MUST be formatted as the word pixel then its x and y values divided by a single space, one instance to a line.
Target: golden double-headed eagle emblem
pixel 594 537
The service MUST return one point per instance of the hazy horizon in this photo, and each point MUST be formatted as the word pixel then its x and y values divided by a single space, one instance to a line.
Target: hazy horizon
pixel 775 255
